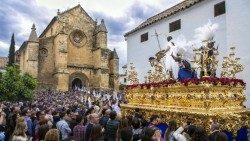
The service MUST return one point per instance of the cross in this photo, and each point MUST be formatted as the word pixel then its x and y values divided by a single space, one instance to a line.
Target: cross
pixel 157 35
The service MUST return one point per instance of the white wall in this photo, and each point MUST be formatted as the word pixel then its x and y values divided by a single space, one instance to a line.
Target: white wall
pixel 238 35
pixel 123 75
pixel 233 29
pixel 121 80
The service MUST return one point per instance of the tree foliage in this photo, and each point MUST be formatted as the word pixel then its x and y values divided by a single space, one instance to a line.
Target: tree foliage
pixel 15 86
pixel 12 51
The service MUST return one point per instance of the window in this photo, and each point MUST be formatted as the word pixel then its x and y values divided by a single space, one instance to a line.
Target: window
pixel 219 9
pixel 144 37
pixel 176 25
pixel 125 80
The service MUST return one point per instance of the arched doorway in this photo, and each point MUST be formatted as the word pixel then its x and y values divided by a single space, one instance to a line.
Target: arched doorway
pixel 77 84
pixel 78 80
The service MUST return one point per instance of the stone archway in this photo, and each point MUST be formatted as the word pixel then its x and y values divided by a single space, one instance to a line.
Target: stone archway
pixel 76 83
pixel 79 80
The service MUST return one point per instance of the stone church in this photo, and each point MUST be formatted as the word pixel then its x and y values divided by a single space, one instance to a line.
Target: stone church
pixel 70 53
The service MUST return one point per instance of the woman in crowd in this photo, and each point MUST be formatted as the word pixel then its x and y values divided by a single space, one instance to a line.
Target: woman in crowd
pixel 19 132
pixel 52 135
pixel 172 126
pixel 147 134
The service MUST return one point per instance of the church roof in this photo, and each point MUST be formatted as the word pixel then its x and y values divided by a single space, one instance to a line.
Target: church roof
pixel 164 14
pixel 114 55
pixel 101 28
pixel 33 35
pixel 55 18
pixel 24 44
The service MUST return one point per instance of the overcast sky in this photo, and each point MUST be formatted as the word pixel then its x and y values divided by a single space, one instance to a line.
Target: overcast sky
pixel 120 17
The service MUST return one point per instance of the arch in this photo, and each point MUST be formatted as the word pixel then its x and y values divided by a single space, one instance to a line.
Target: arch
pixel 76 83
pixel 78 79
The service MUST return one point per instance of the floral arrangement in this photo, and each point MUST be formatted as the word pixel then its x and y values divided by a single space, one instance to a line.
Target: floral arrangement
pixel 191 81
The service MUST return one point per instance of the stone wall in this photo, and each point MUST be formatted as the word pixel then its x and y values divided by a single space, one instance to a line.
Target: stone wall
pixel 69 49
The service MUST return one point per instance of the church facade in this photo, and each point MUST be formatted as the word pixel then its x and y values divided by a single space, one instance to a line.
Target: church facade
pixel 70 53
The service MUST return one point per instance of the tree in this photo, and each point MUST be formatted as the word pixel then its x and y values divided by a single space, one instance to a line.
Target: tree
pixel 12 51
pixel 15 86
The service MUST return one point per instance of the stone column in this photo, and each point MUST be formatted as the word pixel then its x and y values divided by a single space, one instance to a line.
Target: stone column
pixel 61 73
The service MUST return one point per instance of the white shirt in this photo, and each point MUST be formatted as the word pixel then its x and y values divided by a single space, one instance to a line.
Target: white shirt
pixel 178 136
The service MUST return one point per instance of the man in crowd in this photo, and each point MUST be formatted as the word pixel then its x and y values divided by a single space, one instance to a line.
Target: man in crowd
pixel 215 128
pixel 63 127
pixel 78 131
pixel 26 113
pixel 93 119
pixel 111 132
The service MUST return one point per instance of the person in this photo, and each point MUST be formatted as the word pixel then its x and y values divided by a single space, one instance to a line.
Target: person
pixel 137 130
pixel 104 119
pixel 2 125
pixel 11 121
pixel 94 119
pixel 200 134
pixel 172 126
pixel 215 128
pixel 20 129
pixel 189 131
pixel 78 130
pixel 126 132
pixel 42 129
pixel 56 118
pixel 248 133
pixel 177 135
pixel 169 62
pixel 63 127
pixel 185 70
pixel 52 135
pixel 96 133
pixel 26 113
pixel 147 134
pixel 111 133
pixel 221 136
pixel 154 121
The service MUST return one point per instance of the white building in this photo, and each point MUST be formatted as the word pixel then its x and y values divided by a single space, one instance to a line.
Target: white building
pixel 123 76
pixel 234 28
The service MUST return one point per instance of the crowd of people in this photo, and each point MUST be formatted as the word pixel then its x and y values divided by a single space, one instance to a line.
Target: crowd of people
pixel 90 116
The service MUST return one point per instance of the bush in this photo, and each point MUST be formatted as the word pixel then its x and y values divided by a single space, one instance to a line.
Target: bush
pixel 15 86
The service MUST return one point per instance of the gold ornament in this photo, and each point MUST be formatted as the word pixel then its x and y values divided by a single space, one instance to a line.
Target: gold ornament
pixel 230 65
pixel 205 58
pixel 201 103
pixel 133 75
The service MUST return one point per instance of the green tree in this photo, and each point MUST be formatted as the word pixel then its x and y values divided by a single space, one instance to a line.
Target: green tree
pixel 12 51
pixel 15 86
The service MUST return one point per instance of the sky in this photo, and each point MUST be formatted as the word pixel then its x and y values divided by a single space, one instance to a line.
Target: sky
pixel 121 16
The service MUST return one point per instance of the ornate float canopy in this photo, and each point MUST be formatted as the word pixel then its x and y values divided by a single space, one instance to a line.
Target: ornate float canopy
pixel 200 99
